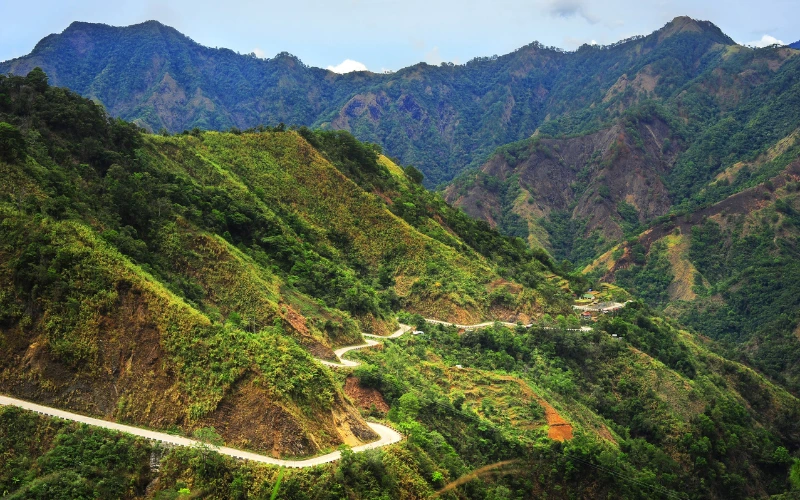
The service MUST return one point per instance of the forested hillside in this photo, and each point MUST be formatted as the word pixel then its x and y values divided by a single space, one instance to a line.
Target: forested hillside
pixel 732 126
pixel 685 200
pixel 729 271
pixel 175 281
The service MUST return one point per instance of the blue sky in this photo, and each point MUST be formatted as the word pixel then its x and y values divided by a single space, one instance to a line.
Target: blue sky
pixel 389 34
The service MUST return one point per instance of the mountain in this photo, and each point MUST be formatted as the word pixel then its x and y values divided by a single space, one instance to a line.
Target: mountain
pixel 728 270
pixel 795 45
pixel 187 281
pixel 441 119
pixel 686 202
pixel 572 194
pixel 658 155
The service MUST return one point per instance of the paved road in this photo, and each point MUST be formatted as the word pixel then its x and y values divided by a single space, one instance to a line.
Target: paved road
pixel 504 323
pixel 369 343
pixel 604 306
pixel 471 327
pixel 387 436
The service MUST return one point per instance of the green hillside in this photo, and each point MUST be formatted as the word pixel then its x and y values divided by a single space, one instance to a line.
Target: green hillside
pixel 514 413
pixel 580 193
pixel 728 270
pixel 685 200
pixel 170 281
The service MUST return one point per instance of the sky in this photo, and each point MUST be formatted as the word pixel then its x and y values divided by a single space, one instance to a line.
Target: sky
pixel 379 35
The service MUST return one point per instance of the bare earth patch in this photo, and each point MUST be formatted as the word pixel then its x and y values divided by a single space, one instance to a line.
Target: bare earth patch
pixel 559 429
pixel 364 397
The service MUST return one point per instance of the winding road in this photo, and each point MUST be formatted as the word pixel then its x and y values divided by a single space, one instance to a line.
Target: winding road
pixel 387 435
pixel 504 323
pixel 369 343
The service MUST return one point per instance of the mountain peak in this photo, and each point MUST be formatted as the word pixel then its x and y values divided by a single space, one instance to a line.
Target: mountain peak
pixel 150 25
pixel 686 24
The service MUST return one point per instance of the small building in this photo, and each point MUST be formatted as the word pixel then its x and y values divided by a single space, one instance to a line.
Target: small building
pixel 586 315
pixel 588 296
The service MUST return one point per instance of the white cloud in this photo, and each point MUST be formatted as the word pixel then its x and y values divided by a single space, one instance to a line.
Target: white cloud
pixel 347 66
pixel 569 8
pixel 765 41
pixel 259 53
pixel 433 57
pixel 573 43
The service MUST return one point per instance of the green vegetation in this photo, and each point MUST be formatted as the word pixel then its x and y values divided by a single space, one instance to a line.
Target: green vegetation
pixel 654 414
pixel 740 262
pixel 566 240
pixel 712 155
pixel 186 282
pixel 654 407
pixel 47 458
pixel 752 264
pixel 188 275
pixel 650 276
pixel 488 102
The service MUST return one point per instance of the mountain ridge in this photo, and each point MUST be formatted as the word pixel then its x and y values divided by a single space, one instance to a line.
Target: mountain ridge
pixel 439 118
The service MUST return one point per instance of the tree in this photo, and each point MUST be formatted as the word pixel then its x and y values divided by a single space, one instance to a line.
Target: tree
pixel 794 474
pixel 12 144
pixel 37 79
pixel 207 436
pixel 414 174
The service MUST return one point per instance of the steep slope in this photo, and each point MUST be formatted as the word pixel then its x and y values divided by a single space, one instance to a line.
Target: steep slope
pixel 661 155
pixel 573 194
pixel 438 118
pixel 525 413
pixel 652 401
pixel 185 282
pixel 728 270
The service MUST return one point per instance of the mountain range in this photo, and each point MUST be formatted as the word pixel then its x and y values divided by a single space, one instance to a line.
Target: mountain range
pixel 438 118
pixel 639 199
